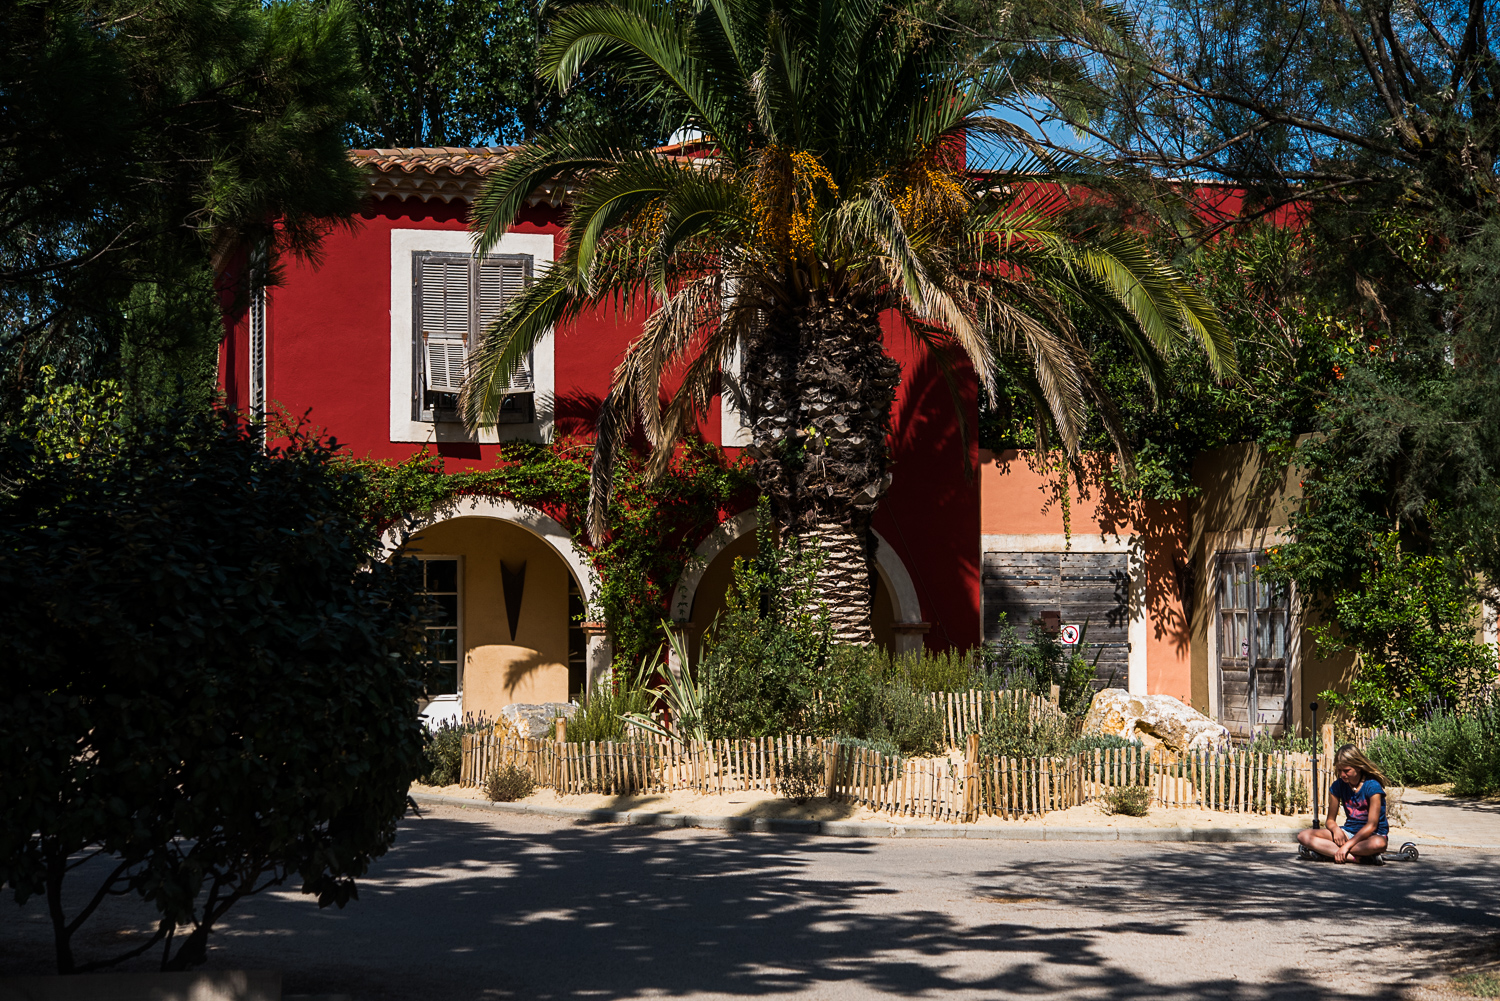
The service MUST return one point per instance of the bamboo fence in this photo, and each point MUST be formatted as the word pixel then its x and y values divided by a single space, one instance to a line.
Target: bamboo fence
pixel 959 787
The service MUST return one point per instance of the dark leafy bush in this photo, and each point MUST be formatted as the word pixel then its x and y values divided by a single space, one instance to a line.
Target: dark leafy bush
pixel 1036 665
pixel 1411 620
pixel 210 676
pixel 508 783
pixel 444 749
pixel 764 663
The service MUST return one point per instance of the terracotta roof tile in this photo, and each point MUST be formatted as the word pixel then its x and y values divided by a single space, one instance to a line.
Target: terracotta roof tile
pixel 459 159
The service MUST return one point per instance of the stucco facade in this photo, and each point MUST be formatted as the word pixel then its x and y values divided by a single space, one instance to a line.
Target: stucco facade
pixel 334 342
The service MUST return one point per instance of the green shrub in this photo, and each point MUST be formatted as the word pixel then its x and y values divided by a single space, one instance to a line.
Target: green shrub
pixel 599 718
pixel 802 775
pixel 930 671
pixel 1428 753
pixel 1478 774
pixel 764 665
pixel 1411 620
pixel 1016 730
pixel 1130 801
pixel 905 718
pixel 445 756
pixel 508 783
pixel 883 746
pixel 1037 664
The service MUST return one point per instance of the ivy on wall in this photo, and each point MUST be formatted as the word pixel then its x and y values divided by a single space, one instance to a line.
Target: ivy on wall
pixel 654 527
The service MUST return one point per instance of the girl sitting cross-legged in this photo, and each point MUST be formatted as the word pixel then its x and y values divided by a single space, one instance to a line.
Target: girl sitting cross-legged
pixel 1360 788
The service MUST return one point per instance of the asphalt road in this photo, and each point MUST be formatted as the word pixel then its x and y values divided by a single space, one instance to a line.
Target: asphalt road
pixel 478 906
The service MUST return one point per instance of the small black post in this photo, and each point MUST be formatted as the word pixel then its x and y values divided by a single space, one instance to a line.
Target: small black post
pixel 1314 707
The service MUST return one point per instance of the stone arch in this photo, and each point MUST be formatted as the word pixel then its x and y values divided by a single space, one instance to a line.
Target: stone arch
pixel 546 528
pixel 554 538
pixel 909 626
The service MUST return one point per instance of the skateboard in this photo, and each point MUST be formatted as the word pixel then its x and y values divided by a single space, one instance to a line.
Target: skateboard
pixel 1406 853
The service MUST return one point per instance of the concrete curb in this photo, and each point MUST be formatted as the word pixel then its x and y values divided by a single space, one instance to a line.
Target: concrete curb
pixel 855 829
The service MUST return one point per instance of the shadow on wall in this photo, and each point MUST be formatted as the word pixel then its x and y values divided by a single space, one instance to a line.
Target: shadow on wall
pixel 1098 509
pixel 934 462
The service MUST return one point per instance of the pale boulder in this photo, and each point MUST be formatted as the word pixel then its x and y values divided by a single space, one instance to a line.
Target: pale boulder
pixel 1154 720
pixel 532 720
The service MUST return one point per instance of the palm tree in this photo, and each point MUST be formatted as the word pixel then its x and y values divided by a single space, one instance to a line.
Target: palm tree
pixel 833 193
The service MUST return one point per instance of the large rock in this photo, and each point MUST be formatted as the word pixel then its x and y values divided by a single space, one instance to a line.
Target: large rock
pixel 1154 720
pixel 533 720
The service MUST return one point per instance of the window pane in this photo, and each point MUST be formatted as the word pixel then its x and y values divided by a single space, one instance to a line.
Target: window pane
pixel 1241 636
pixel 442 575
pixel 446 682
pixel 449 604
pixel 445 644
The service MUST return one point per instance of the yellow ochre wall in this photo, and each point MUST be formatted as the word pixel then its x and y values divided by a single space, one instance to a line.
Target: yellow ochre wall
pixel 496 670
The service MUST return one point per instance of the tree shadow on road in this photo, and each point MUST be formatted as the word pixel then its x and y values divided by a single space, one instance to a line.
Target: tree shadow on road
pixel 467 909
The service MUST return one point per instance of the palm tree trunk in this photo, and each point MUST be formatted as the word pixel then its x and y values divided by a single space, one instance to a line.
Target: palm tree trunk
pixel 820 397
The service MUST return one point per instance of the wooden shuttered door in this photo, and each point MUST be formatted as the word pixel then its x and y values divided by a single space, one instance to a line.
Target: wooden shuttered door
pixel 1089 590
pixel 1253 624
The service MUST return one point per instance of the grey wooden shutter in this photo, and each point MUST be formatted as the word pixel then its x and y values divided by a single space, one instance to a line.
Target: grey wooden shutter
pixel 501 280
pixel 444 320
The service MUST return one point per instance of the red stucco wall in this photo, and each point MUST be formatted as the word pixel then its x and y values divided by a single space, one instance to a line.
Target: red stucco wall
pixel 328 358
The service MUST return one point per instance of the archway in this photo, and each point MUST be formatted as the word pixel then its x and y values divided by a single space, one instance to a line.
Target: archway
pixel 516 584
pixel 896 610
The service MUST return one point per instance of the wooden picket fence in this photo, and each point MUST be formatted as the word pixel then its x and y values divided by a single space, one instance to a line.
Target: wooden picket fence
pixel 954 788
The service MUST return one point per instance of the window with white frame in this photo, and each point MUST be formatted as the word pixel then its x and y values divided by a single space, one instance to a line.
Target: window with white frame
pixel 441 583
pixel 455 297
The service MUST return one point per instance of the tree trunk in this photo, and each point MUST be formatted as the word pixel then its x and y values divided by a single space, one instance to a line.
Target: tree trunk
pixel 820 387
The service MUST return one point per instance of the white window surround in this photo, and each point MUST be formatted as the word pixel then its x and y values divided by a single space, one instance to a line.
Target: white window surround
pixel 462 657
pixel 732 430
pixel 404 242
pixel 1138 629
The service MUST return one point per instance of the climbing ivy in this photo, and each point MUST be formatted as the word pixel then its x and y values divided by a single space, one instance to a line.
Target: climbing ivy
pixel 653 529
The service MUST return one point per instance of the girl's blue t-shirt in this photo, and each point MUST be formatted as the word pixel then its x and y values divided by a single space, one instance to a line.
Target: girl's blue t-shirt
pixel 1357 804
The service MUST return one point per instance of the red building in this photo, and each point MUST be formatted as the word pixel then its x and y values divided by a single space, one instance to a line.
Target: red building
pixel 369 344
pixel 364 343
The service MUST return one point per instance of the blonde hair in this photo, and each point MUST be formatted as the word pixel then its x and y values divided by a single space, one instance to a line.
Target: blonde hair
pixel 1352 757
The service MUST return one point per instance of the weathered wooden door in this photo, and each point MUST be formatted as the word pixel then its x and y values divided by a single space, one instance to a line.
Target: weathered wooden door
pixel 1059 589
pixel 1252 640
